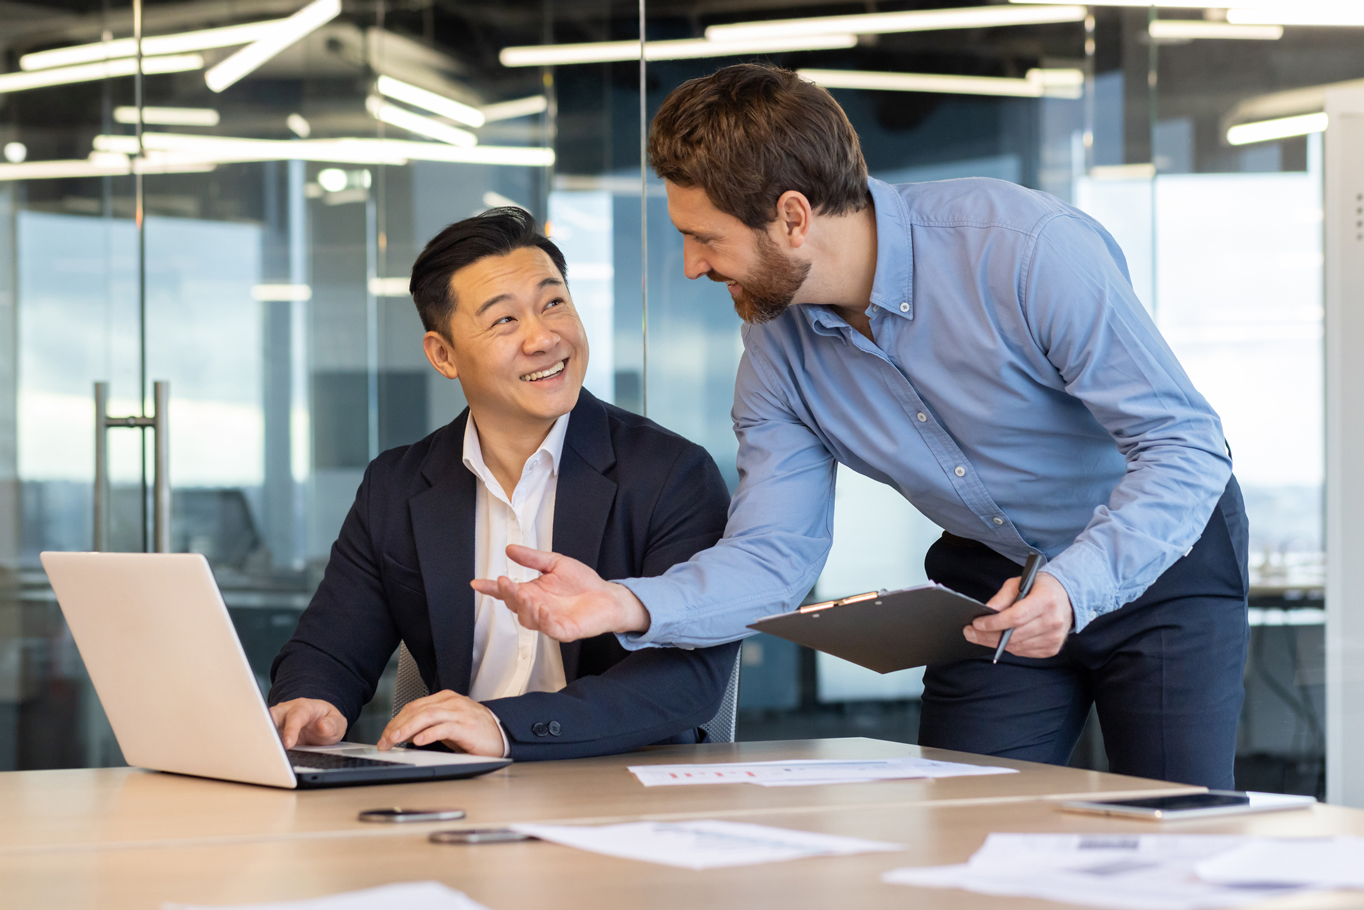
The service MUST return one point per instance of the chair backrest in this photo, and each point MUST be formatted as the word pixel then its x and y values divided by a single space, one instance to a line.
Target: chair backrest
pixel 719 729
pixel 410 686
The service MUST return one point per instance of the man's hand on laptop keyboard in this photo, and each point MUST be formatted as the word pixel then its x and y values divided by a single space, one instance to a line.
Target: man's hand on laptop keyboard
pixel 456 720
pixel 308 722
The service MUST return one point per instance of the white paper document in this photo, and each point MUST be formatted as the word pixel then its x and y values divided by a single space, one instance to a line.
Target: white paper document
pixel 703 844
pixel 1314 862
pixel 408 895
pixel 806 773
pixel 1121 871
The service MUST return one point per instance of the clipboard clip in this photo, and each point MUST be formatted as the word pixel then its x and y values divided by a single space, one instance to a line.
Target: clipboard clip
pixel 856 598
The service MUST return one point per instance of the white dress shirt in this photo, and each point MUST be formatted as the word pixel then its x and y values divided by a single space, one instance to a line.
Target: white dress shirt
pixel 509 659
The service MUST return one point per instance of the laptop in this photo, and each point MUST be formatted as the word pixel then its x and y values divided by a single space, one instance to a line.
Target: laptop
pixel 166 663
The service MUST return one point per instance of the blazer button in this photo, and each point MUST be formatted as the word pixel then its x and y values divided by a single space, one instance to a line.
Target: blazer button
pixel 540 730
pixel 554 728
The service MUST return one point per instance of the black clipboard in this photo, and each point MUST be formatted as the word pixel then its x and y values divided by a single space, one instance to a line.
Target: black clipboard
pixel 888 630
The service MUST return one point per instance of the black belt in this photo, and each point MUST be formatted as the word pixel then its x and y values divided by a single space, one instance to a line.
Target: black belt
pixel 965 543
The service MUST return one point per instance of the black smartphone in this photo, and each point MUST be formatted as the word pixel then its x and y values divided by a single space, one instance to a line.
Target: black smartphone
pixel 480 836
pixel 411 815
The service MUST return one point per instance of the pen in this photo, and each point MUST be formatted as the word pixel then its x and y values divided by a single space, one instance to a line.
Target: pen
pixel 1024 586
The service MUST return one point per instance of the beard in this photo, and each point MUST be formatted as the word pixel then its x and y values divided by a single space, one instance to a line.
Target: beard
pixel 770 286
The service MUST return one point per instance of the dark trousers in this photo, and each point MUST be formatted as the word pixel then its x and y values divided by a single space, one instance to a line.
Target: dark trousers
pixel 1164 672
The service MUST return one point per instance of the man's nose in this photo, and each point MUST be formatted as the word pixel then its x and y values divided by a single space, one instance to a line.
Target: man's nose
pixel 694 265
pixel 539 336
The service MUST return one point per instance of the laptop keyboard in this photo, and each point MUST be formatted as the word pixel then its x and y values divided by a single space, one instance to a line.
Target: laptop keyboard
pixel 326 761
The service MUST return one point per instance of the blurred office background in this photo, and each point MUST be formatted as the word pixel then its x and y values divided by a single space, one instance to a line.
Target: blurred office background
pixel 252 247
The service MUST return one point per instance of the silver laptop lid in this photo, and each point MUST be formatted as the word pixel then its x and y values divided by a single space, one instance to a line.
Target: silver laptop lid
pixel 165 661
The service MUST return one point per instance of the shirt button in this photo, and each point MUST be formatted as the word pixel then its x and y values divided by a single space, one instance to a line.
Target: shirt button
pixel 540 729
pixel 922 416
pixel 554 728
pixel 904 307
pixel 999 521
pixel 959 471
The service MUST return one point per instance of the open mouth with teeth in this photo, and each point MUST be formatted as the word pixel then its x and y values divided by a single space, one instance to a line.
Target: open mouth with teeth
pixel 546 374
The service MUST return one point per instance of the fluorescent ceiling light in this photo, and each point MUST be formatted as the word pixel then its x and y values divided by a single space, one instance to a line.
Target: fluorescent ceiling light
pixel 915 21
pixel 1039 83
pixel 281 293
pixel 1302 13
pixel 91 72
pixel 1196 29
pixel 99 164
pixel 298 126
pixel 156 45
pixel 389 287
pixel 430 101
pixel 519 107
pixel 284 34
pixel 224 149
pixel 416 123
pixel 169 116
pixel 15 152
pixel 1280 128
pixel 684 49
pixel 1168 4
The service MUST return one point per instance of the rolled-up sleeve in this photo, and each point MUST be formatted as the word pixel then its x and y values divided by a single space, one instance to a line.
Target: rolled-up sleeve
pixel 777 537
pixel 1085 316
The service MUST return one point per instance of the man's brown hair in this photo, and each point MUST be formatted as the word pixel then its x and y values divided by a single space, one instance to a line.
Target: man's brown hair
pixel 748 133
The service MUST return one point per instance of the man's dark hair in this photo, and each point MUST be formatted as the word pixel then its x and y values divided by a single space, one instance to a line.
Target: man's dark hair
pixel 495 232
pixel 748 133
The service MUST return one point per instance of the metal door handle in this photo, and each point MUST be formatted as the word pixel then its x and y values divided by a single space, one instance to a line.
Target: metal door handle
pixel 161 489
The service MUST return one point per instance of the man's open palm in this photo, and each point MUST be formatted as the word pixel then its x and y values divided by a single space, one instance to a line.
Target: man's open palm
pixel 569 601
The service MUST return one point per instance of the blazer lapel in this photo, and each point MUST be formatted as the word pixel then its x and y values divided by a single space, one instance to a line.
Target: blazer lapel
pixel 584 496
pixel 443 526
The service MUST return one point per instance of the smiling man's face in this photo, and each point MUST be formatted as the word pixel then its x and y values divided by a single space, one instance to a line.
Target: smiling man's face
pixel 761 279
pixel 515 341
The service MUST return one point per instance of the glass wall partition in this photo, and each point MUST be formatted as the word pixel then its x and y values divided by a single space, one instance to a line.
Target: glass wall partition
pixel 243 228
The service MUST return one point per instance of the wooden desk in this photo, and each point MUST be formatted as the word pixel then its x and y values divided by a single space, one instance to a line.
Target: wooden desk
pixel 539 875
pixel 92 809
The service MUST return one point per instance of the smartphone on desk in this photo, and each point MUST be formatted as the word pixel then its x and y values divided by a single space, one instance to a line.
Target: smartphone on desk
pixel 480 836
pixel 1190 805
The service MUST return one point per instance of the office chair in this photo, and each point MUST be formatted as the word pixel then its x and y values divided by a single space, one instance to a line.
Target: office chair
pixel 719 729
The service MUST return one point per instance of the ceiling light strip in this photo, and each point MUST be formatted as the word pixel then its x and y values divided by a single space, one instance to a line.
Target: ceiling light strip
pixel 683 49
pixel 169 116
pixel 517 107
pixel 225 149
pixel 1198 29
pixel 914 21
pixel 429 101
pixel 1039 83
pixel 156 45
pixel 285 33
pixel 1279 128
pixel 416 123
pixel 92 72
pixel 1337 15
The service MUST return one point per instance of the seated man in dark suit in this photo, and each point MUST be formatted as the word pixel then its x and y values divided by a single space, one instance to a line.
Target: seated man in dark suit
pixel 536 461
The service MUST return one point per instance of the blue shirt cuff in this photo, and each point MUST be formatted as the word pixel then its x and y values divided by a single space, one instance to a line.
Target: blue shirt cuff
pixel 666 611
pixel 1084 572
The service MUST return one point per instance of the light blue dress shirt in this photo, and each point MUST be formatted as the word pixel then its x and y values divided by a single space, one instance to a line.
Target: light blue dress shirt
pixel 1017 393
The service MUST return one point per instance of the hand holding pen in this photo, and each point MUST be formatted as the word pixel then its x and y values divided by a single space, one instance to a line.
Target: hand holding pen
pixel 1030 568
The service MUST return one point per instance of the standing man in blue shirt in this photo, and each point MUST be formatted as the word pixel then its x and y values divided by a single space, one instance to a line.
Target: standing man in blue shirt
pixel 977 347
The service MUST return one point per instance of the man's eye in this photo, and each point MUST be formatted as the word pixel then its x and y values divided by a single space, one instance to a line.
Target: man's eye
pixel 504 320
pixel 557 301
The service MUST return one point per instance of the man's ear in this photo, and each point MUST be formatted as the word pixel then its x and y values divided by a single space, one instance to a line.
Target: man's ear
pixel 441 354
pixel 794 217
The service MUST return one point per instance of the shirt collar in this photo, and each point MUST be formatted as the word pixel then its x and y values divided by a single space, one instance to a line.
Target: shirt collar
pixel 892 287
pixel 553 446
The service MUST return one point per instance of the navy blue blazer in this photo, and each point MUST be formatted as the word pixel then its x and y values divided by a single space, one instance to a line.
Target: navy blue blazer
pixel 632 500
